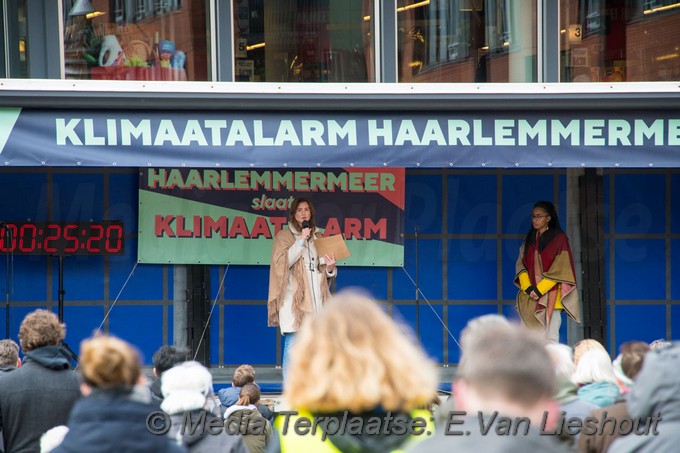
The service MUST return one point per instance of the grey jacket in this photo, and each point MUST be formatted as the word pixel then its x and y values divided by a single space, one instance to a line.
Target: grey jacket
pixel 656 392
pixel 474 440
pixel 36 397
pixel 202 432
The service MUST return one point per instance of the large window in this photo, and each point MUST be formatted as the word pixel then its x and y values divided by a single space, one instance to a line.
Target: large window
pixel 303 41
pixel 136 39
pixel 467 40
pixel 17 40
pixel 620 40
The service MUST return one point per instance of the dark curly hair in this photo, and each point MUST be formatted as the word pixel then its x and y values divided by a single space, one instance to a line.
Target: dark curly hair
pixel 40 328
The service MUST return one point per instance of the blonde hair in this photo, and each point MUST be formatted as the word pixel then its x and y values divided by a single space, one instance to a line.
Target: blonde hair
pixel 595 366
pixel 109 362
pixel 245 374
pixel 352 356
pixel 585 345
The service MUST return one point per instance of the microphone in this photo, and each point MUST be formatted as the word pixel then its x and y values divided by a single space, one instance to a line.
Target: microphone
pixel 305 224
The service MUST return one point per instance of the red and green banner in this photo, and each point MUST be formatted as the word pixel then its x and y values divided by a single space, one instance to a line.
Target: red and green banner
pixel 230 216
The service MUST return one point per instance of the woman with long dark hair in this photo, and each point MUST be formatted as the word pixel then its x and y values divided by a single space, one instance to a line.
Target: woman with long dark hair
pixel 299 280
pixel 545 275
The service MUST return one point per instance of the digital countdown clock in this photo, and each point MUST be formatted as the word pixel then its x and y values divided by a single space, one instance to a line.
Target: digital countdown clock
pixel 62 238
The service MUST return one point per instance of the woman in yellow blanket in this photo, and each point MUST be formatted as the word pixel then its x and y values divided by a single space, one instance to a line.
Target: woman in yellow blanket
pixel 545 274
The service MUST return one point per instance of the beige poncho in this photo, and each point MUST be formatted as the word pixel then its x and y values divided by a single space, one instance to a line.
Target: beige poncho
pixel 278 281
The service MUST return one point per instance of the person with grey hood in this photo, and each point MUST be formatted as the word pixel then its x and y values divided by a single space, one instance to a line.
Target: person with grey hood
pixel 38 395
pixel 654 404
pixel 9 361
pixel 505 374
pixel 9 356
pixel 186 389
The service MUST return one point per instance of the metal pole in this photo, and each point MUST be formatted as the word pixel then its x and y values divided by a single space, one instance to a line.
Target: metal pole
pixel 417 291
pixel 180 305
pixel 7 279
pixel 61 292
pixel 60 302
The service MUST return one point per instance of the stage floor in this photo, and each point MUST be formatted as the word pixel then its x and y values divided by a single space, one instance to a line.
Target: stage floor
pixel 271 382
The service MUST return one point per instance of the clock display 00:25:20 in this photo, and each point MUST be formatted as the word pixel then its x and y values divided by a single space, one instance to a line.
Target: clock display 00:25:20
pixel 63 238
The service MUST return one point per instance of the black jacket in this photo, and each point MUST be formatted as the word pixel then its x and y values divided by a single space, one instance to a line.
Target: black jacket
pixel 36 397
pixel 110 421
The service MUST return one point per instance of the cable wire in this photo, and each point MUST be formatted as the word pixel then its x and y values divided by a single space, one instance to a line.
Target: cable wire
pixel 432 308
pixel 108 312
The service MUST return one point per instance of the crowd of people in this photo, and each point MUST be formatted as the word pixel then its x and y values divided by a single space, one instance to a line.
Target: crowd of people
pixel 357 382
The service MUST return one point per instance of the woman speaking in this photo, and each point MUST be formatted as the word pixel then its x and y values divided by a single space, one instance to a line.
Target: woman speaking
pixel 545 275
pixel 299 280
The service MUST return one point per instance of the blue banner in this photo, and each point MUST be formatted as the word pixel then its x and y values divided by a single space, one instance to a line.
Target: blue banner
pixel 231 139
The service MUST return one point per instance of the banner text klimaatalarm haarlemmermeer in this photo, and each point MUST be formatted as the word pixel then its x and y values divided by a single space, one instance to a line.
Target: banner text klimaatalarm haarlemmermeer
pixel 380 132
pixel 332 139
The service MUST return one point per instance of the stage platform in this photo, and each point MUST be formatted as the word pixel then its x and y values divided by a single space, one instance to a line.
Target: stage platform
pixel 270 379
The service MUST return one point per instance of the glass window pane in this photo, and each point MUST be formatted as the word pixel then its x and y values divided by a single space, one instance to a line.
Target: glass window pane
pixel 16 37
pixel 467 40
pixel 136 39
pixel 303 41
pixel 619 40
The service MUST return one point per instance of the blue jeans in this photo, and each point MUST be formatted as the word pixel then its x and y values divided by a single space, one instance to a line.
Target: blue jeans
pixel 288 340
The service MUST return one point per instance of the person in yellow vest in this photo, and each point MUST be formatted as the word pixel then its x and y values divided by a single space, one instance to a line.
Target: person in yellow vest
pixel 356 383
pixel 544 274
